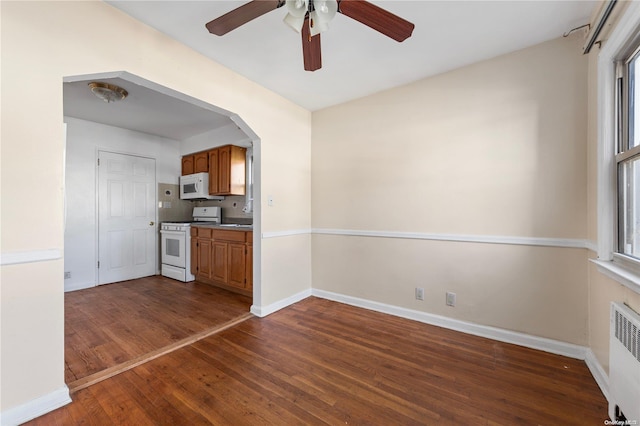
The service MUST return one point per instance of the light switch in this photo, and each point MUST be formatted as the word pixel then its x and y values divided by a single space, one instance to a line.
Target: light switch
pixel 270 200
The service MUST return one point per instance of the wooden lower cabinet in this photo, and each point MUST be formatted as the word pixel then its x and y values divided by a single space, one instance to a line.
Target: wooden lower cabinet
pixel 220 254
pixel 223 258
pixel 204 258
pixel 249 267
pixel 237 265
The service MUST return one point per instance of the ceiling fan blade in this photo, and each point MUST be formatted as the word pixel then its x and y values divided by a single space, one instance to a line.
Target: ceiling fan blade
pixel 310 48
pixel 377 18
pixel 241 15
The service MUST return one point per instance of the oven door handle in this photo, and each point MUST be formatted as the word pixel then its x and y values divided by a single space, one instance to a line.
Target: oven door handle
pixel 176 233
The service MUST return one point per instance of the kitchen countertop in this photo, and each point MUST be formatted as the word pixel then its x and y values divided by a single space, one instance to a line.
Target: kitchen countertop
pixel 229 227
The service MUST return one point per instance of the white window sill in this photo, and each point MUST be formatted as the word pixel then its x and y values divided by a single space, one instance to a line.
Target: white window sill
pixel 624 275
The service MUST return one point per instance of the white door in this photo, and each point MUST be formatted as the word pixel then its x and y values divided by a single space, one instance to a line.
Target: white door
pixel 126 217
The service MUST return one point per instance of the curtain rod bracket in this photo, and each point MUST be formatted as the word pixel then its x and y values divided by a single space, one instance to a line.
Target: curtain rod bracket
pixel 571 31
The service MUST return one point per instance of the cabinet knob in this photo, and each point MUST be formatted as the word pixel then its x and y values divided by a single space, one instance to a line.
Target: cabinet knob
pixel 152 223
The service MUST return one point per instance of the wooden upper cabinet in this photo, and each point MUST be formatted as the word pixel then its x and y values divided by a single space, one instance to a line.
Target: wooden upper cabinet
pixel 224 169
pixel 226 166
pixel 188 165
pixel 214 187
pixel 228 177
pixel 201 162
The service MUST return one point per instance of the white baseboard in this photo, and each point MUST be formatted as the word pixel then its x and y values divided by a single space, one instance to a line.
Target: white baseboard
pixel 78 286
pixel 522 339
pixel 36 407
pixel 534 342
pixel 263 311
pixel 598 373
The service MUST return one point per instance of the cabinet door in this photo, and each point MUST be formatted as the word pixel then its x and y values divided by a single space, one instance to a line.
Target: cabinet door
pixel 249 267
pixel 237 264
pixel 201 161
pixel 214 172
pixel 224 171
pixel 188 165
pixel 194 256
pixel 220 261
pixel 237 170
pixel 204 258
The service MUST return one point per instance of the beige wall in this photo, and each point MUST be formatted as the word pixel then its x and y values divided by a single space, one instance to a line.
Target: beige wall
pixel 42 42
pixel 495 148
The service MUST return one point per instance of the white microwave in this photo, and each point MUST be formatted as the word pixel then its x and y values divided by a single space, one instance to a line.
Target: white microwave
pixel 196 187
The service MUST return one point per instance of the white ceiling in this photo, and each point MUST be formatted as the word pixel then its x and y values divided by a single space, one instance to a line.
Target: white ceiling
pixel 356 60
pixel 148 108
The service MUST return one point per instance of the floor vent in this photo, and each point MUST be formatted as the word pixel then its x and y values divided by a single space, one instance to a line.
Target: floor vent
pixel 624 363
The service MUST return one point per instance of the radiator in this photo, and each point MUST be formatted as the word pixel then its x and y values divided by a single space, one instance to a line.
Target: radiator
pixel 624 363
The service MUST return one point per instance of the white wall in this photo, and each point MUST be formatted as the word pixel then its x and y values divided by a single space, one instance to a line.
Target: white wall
pixel 497 148
pixel 84 140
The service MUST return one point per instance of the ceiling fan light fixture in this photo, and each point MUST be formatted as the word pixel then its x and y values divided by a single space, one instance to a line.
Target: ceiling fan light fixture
pixel 325 9
pixel 297 12
pixel 108 92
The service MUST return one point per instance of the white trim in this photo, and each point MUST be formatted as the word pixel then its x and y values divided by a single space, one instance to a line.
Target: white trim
pixel 618 273
pixel 287 233
pixel 36 407
pixel 30 256
pixel 80 286
pixel 489 239
pixel 592 245
pixel 598 373
pixel 534 342
pixel 263 311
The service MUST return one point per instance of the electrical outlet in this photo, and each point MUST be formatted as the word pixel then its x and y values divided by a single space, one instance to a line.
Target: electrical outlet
pixel 419 293
pixel 67 275
pixel 451 299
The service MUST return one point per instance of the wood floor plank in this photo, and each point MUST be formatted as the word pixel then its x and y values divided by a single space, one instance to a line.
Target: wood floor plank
pixel 322 362
pixel 110 325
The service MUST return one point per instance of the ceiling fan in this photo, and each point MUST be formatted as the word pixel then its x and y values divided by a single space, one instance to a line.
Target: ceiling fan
pixel 311 17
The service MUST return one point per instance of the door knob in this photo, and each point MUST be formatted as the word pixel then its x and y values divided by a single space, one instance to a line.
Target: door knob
pixel 151 223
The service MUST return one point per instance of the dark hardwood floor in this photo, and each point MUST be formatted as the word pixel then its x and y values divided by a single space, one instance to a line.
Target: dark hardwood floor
pixel 321 362
pixel 111 325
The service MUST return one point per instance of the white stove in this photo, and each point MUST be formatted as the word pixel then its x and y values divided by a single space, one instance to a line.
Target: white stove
pixel 176 243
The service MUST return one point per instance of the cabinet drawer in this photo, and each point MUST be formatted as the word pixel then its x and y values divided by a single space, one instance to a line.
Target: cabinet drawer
pixel 250 237
pixel 228 235
pixel 201 232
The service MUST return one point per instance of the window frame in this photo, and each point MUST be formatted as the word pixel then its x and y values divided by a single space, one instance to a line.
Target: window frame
pixel 621 44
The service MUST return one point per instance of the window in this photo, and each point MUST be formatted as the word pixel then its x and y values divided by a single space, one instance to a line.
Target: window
pixel 618 155
pixel 628 155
